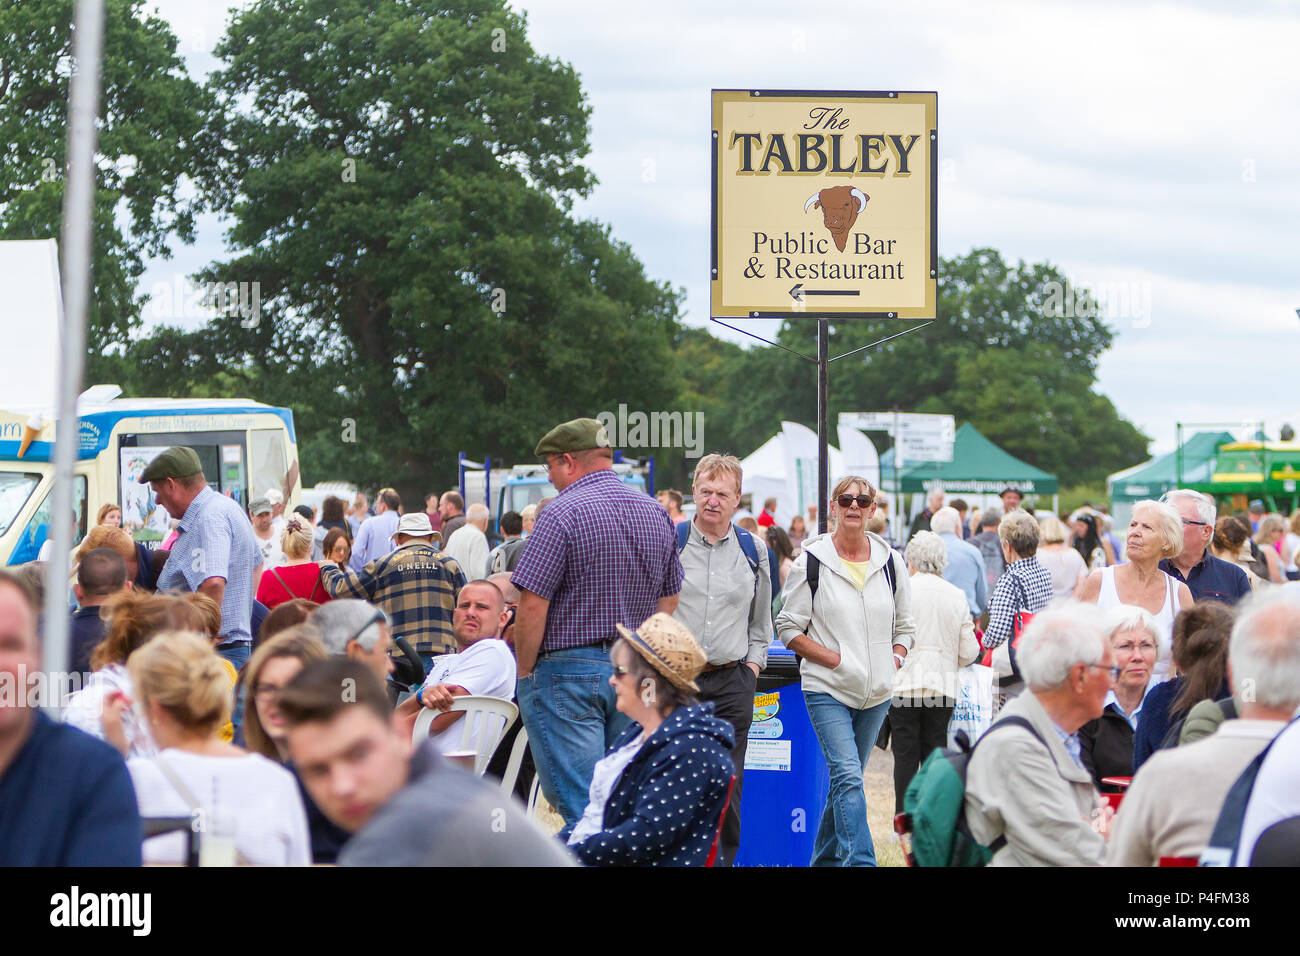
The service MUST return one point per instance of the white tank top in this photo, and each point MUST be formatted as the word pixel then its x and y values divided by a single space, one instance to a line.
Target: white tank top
pixel 1109 598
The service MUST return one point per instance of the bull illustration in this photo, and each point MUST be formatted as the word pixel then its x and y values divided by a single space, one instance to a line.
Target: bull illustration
pixel 840 206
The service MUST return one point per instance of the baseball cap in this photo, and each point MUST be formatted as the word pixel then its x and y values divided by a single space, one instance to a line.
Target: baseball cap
pixel 577 435
pixel 275 496
pixel 259 506
pixel 176 462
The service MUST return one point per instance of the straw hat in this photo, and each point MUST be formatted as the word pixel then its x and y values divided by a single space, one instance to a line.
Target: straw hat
pixel 670 648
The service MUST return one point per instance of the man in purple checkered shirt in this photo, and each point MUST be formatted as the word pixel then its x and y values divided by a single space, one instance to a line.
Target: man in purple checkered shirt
pixel 602 553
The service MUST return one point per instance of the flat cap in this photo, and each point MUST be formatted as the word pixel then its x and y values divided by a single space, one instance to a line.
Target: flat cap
pixel 176 462
pixel 577 435
pixel 260 506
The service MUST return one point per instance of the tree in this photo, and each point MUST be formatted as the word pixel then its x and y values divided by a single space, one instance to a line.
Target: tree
pixel 400 175
pixel 150 143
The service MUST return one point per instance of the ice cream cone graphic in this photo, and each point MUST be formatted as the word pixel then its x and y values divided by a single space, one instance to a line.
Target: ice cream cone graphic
pixel 30 431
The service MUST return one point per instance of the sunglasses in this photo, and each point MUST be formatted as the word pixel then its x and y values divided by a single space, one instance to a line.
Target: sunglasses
pixel 846 500
pixel 621 671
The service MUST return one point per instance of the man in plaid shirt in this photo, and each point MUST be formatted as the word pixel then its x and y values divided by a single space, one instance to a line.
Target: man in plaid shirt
pixel 416 584
pixel 602 553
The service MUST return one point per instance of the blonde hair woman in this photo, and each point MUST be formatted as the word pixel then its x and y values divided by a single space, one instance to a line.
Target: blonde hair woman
pixel 299 575
pixel 184 694
pixel 1272 529
pixel 844 633
pixel 1155 532
pixel 1062 562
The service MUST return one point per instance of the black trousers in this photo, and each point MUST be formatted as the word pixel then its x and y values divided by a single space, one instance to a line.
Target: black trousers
pixel 731 690
pixel 918 726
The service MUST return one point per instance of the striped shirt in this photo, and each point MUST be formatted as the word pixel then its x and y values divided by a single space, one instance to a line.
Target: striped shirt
pixel 417 586
pixel 1024 586
pixel 215 540
pixel 602 553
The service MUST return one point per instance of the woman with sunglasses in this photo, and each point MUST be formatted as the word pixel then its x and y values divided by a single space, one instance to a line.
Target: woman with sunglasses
pixel 853 633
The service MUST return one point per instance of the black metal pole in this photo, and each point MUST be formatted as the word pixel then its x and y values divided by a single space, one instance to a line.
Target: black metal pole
pixel 823 419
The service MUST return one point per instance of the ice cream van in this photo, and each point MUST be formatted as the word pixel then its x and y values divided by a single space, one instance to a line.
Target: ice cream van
pixel 246 449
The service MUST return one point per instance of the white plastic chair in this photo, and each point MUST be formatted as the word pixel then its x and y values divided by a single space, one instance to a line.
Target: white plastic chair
pixel 485 722
pixel 511 776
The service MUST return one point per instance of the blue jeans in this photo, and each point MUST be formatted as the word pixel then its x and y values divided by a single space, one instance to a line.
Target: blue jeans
pixel 568 710
pixel 846 737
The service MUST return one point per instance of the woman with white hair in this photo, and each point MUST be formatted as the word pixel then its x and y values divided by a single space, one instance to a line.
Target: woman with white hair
pixel 1155 532
pixel 1106 743
pixel 925 686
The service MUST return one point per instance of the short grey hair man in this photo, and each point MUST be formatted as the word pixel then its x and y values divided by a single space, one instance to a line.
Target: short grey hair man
pixel 1264 651
pixel 355 629
pixel 990 519
pixel 926 553
pixel 1204 504
pixel 478 516
pixel 946 521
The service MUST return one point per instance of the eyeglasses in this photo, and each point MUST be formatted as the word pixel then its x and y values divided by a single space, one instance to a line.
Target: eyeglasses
pixel 1113 671
pixel 379 617
pixel 263 691
pixel 1146 647
pixel 847 500
pixel 1203 524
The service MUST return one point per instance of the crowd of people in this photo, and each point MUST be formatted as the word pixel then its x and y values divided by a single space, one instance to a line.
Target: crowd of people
pixel 286 685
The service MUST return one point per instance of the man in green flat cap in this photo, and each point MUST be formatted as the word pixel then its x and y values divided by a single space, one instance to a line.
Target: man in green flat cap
pixel 602 553
pixel 215 551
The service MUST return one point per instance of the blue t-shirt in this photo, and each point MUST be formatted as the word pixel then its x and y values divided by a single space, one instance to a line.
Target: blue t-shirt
pixel 67 800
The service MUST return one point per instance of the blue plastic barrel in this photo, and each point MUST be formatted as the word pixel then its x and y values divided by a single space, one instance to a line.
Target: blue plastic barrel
pixel 786 781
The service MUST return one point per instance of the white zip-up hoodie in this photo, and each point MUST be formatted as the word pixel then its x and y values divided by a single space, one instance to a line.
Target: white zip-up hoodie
pixel 861 626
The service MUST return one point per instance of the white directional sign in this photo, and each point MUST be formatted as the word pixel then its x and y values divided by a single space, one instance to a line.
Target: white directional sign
pixel 916 437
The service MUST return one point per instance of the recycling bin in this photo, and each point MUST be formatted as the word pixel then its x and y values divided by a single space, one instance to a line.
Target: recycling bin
pixel 786 781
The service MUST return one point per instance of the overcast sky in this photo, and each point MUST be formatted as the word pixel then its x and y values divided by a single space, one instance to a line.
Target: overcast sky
pixel 1147 149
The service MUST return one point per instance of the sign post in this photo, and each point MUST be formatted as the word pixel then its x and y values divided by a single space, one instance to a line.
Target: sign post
pixel 825 206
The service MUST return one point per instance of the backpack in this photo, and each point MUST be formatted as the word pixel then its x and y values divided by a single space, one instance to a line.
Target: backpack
pixel 936 801
pixel 507 556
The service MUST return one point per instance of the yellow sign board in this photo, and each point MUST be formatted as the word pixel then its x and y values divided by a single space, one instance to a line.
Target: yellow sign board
pixel 824 203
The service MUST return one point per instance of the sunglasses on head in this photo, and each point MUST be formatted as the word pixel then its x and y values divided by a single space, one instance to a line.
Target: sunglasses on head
pixel 847 500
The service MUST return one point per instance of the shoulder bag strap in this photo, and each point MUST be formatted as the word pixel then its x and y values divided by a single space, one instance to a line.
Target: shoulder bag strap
pixel 287 590
pixel 177 784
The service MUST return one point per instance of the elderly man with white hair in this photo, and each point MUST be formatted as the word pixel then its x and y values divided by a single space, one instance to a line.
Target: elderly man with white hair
pixel 1029 797
pixel 965 567
pixel 1171 808
pixel 468 544
pixel 1207 578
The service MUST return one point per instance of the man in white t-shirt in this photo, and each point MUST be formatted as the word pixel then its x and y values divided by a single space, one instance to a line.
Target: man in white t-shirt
pixel 268 539
pixel 483 664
